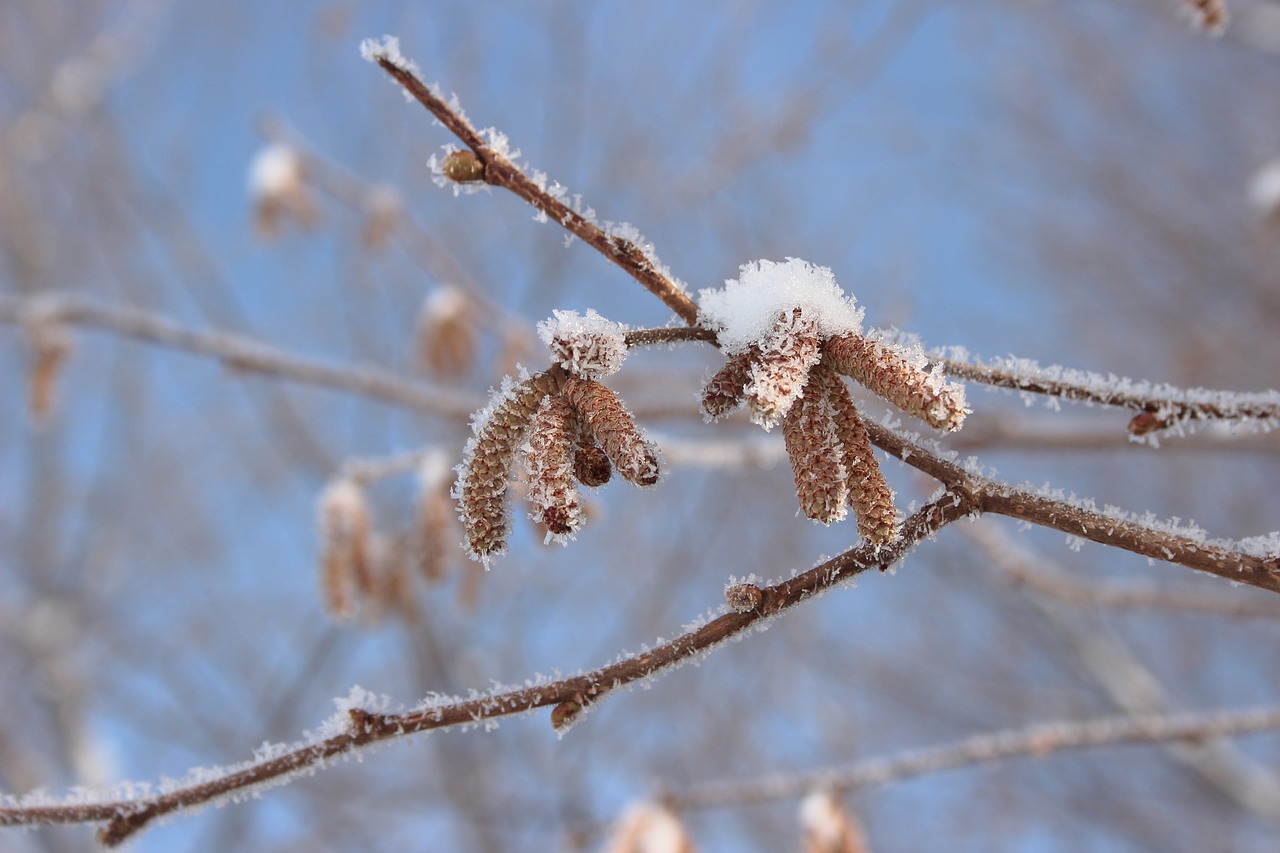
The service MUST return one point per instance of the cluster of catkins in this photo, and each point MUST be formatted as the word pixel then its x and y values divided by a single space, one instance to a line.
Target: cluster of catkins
pixel 790 334
pixel 563 426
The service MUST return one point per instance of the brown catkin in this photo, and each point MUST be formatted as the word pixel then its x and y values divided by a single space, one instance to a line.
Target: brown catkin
pixel 635 459
pixel 591 465
pixel 893 375
pixel 726 390
pixel 809 434
pixel 869 492
pixel 548 456
pixel 779 373
pixel 483 483
pixel 346 549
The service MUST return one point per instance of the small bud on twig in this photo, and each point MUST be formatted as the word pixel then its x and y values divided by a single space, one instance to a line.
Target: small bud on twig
pixel 463 167
pixel 565 713
pixel 743 597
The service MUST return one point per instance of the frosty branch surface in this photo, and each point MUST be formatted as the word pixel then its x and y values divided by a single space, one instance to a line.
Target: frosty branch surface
pixel 237 352
pixel 125 817
pixel 1032 741
pixel 499 171
pixel 1159 406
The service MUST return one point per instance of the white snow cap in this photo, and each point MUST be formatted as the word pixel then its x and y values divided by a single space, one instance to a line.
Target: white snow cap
pixel 587 345
pixel 745 310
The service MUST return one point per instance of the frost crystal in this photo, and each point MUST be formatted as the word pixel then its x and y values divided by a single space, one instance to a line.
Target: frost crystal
pixel 388 48
pixel 745 310
pixel 587 345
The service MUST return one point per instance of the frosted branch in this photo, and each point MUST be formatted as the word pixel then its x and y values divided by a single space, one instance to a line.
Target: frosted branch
pixel 1028 742
pixel 1160 407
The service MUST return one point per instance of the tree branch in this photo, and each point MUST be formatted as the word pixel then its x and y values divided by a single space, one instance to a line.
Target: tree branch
pixel 240 353
pixel 1032 741
pixel 1159 406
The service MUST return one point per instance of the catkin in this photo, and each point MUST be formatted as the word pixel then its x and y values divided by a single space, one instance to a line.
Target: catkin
pixel 635 459
pixel 778 374
pixel 726 390
pixel 484 479
pixel 548 455
pixel 868 491
pixel 809 434
pixel 894 375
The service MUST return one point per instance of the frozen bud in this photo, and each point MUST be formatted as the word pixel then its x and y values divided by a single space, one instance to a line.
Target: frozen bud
pixel 1143 423
pixel 828 826
pixel 868 491
pixel 463 167
pixel 634 457
pixel 902 376
pixel 278 190
pixel 1208 15
pixel 446 332
pixel 726 390
pixel 565 713
pixel 585 345
pixel 346 545
pixel 383 209
pixel 49 343
pixel 649 828
pixel 778 375
pixel 548 456
pixel 743 597
pixel 591 465
pixel 483 479
pixel 814 450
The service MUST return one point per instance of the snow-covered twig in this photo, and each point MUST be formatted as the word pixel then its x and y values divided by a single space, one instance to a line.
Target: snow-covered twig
pixel 1160 407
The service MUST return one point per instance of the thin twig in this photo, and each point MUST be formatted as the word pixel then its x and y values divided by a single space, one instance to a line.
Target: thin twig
pixel 650 337
pixel 1160 407
pixel 1032 741
pixel 501 172
pixel 242 353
